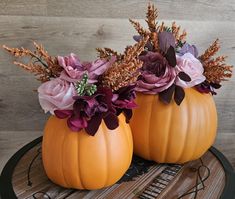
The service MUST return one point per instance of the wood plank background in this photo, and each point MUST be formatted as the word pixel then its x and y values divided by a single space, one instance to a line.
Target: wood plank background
pixel 81 26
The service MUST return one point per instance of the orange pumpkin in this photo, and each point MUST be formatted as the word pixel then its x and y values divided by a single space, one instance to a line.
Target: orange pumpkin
pixel 168 133
pixel 78 160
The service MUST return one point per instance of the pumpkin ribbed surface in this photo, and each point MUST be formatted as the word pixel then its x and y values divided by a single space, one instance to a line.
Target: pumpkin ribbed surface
pixel 78 160
pixel 168 133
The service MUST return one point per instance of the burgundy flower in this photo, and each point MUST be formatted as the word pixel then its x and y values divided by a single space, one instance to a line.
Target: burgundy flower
pixel 206 87
pixel 88 112
pixel 154 63
pixel 156 74
pixel 125 101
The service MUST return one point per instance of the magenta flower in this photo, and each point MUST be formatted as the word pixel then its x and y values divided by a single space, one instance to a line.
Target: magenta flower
pixel 88 112
pixel 124 101
pixel 98 67
pixel 74 69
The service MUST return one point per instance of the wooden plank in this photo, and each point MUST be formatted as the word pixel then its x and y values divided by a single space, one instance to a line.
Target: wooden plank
pixel 161 181
pixel 11 141
pixel 169 9
pixel 26 7
pixel 19 105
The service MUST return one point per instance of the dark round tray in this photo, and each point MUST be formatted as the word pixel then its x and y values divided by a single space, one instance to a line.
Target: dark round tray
pixel 211 177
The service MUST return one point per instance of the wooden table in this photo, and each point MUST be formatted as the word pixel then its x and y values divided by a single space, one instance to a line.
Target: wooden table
pixel 211 176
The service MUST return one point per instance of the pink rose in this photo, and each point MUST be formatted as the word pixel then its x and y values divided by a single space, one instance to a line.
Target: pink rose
pixel 56 94
pixel 151 84
pixel 99 66
pixel 192 67
pixel 73 68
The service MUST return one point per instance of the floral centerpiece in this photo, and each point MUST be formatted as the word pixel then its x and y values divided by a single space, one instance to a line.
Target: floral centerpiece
pixel 175 91
pixel 87 132
pixel 176 118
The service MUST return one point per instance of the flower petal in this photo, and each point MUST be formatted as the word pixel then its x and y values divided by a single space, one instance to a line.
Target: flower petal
pixel 111 121
pixel 77 123
pixel 179 95
pixel 171 57
pixel 62 114
pixel 166 39
pixel 166 95
pixel 93 124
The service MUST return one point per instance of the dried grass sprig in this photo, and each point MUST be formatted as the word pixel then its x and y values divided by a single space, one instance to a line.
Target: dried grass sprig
pixel 211 51
pixel 40 63
pixel 125 72
pixel 132 52
pixel 151 17
pixel 139 28
pixel 107 53
pixel 154 29
pixel 215 73
pixel 180 37
pixel 215 69
pixel 42 73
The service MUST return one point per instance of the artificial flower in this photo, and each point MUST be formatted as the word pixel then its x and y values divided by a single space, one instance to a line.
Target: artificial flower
pixel 156 74
pixel 56 94
pixel 88 112
pixel 187 48
pixel 192 67
pixel 73 68
pixel 98 67
pixel 124 101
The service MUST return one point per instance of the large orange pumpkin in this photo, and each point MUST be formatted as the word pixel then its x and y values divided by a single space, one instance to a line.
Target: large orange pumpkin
pixel 168 133
pixel 78 160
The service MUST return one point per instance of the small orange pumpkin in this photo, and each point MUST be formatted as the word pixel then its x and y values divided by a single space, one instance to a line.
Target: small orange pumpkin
pixel 168 133
pixel 78 160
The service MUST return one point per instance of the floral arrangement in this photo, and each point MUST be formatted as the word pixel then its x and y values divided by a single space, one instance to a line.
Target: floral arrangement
pixel 85 92
pixel 161 62
pixel 170 64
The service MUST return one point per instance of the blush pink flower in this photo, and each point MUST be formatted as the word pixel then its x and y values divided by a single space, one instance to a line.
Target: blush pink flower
pixel 56 94
pixel 98 67
pixel 192 67
pixel 74 69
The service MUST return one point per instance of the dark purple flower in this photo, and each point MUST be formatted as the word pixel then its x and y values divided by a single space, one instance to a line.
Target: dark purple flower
pixel 206 87
pixel 88 112
pixel 156 74
pixel 125 101
pixel 76 122
pixel 187 48
pixel 154 63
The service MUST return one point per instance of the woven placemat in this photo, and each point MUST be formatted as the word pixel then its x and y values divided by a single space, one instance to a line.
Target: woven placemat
pixel 210 177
